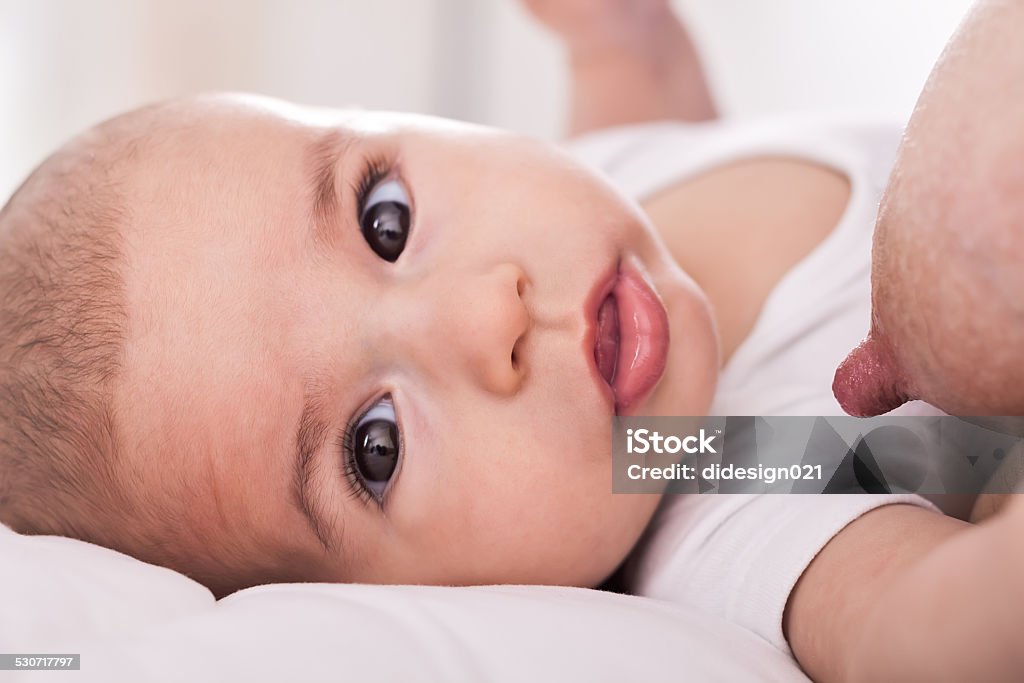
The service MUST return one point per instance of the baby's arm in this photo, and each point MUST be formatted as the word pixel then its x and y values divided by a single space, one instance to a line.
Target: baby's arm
pixel 906 594
pixel 630 61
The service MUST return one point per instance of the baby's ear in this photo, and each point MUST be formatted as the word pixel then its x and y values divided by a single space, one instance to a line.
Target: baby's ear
pixel 869 382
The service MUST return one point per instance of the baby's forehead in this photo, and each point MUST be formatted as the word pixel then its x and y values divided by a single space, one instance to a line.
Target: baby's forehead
pixel 224 110
pixel 185 152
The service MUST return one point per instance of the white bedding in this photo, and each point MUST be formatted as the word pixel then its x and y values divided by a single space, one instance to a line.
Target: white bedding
pixel 132 621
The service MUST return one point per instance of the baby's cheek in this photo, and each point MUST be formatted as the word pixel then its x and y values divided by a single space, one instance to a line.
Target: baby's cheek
pixel 576 535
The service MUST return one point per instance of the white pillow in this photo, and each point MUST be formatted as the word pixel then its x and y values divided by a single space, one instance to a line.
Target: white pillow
pixel 132 621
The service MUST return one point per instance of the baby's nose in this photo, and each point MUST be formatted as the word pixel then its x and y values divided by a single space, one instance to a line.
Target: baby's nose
pixel 479 329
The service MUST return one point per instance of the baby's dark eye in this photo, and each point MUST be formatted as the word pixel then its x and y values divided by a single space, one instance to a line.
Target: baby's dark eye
pixel 385 219
pixel 376 447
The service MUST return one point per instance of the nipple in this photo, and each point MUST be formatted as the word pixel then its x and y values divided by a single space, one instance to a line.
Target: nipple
pixel 869 382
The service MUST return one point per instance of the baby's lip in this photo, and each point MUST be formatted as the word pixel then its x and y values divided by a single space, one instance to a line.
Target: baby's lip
pixel 642 334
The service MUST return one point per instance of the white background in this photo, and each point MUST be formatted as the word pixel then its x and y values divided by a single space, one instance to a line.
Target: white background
pixel 65 64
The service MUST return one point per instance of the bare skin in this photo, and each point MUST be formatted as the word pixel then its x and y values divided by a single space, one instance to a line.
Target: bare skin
pixel 265 326
pixel 875 604
pixel 631 61
pixel 947 277
pixel 948 272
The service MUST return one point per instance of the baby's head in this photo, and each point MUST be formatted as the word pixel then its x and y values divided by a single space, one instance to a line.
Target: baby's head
pixel 256 342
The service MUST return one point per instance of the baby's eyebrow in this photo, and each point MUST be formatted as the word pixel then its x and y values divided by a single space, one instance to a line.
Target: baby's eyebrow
pixel 310 437
pixel 323 156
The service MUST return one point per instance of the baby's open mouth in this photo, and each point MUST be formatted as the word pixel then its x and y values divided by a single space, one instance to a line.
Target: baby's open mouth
pixel 631 339
pixel 606 342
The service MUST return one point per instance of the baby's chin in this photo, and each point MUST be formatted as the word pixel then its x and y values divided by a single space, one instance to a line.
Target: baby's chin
pixel 688 384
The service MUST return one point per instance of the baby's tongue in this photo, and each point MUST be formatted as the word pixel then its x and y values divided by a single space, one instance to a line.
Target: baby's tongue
pixel 869 382
pixel 606 347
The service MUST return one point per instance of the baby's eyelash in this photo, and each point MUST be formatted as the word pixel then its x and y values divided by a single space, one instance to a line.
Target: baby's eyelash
pixel 356 487
pixel 375 169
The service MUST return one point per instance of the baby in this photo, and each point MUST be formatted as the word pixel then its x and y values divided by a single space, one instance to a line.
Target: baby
pixel 260 343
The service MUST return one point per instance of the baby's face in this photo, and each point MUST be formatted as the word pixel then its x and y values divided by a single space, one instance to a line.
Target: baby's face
pixel 361 348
